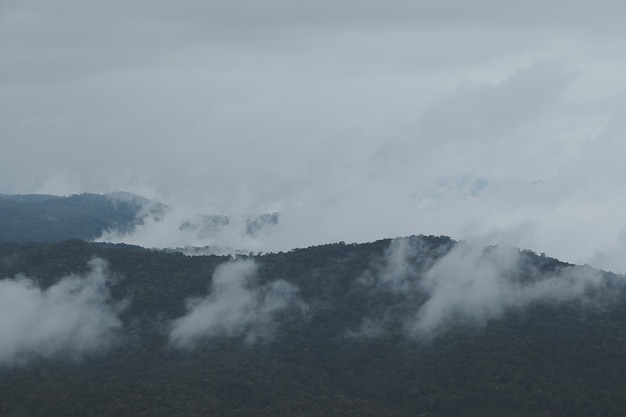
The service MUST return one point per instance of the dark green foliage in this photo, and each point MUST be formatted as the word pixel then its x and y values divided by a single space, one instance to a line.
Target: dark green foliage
pixel 563 359
pixel 36 218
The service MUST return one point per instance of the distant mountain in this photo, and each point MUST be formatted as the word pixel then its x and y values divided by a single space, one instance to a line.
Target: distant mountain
pixel 206 250
pixel 419 326
pixel 206 226
pixel 29 198
pixel 47 218
pixel 35 218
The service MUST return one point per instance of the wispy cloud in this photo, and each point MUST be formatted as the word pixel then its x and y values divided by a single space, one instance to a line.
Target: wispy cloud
pixel 184 226
pixel 237 305
pixel 472 284
pixel 73 317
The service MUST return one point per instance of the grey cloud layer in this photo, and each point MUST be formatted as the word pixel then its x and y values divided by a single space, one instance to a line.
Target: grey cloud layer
pixel 352 119
pixel 73 317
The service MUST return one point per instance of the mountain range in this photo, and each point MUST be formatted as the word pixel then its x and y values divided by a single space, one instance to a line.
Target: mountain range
pixel 414 326
pixel 88 216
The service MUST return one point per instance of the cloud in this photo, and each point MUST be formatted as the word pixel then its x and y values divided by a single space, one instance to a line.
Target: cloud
pixel 72 317
pixel 236 306
pixel 487 112
pixel 476 284
pixel 472 284
pixel 346 117
pixel 185 227
pixel 402 263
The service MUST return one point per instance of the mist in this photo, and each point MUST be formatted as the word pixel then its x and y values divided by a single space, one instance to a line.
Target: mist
pixel 472 284
pixel 354 121
pixel 73 317
pixel 236 306
pixel 196 232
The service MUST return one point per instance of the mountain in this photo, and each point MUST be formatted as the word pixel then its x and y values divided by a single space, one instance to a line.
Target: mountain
pixel 115 217
pixel 33 217
pixel 419 326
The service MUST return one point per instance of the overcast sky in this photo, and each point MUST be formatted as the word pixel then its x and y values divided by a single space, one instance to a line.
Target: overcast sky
pixel 357 120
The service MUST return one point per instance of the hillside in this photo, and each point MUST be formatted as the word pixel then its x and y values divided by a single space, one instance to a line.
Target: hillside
pixel 420 326
pixel 38 218
pixel 115 217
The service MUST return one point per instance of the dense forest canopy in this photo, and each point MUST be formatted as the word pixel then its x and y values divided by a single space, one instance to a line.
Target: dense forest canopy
pixel 412 326
pixel 36 218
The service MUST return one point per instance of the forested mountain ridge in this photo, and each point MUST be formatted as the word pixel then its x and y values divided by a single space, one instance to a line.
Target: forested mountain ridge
pixel 88 216
pixel 414 326
pixel 36 218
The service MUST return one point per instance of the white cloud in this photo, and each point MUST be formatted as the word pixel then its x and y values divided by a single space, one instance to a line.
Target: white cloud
pixel 471 284
pixel 72 317
pixel 236 306
pixel 477 284
pixel 183 226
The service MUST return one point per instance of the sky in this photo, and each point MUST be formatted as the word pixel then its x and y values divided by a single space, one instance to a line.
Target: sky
pixel 492 122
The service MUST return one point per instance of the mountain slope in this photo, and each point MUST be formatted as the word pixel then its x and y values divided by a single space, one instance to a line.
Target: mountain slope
pixel 35 218
pixel 116 216
pixel 328 330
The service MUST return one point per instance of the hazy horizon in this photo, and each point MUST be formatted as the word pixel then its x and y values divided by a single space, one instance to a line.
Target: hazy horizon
pixel 499 123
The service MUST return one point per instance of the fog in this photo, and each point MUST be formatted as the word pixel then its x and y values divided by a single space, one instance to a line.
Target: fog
pixel 471 284
pixel 354 121
pixel 236 306
pixel 477 284
pixel 73 317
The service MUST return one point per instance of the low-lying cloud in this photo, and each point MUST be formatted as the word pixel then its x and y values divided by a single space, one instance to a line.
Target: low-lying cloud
pixel 402 263
pixel 73 317
pixel 186 228
pixel 237 305
pixel 474 284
